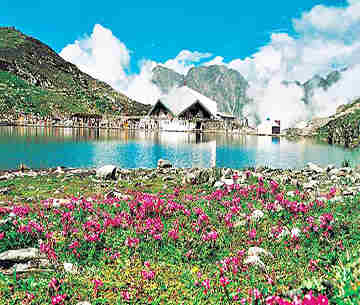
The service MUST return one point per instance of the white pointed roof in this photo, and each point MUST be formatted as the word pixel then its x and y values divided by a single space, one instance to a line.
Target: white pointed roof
pixel 181 98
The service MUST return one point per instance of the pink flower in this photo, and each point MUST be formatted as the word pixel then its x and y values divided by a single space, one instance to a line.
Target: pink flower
pixel 58 299
pixel 252 233
pixel 213 235
pixel 147 264
pixel 53 284
pixel 132 242
pixel 173 234
pixel 97 284
pixel 322 300
pixel 74 244
pixel 206 285
pixel 2 235
pixel 224 281
pixel 126 295
pixel 148 275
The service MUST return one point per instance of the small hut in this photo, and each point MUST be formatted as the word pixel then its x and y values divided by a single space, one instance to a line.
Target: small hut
pixel 269 127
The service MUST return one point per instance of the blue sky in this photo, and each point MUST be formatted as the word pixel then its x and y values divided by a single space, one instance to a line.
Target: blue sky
pixel 268 42
pixel 160 29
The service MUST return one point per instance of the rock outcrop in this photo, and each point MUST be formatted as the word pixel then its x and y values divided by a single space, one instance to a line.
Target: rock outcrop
pixel 225 86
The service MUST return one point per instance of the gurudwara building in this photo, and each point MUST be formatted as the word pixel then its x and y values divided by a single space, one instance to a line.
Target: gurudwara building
pixel 183 109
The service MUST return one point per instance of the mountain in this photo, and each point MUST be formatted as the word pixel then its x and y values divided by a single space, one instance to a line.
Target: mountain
pixel 228 87
pixel 225 86
pixel 166 79
pixel 35 79
pixel 319 82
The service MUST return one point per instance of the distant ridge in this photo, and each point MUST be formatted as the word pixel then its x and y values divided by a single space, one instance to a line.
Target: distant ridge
pixel 227 87
pixel 35 79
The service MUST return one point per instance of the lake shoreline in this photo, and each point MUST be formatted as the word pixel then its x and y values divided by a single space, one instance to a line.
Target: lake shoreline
pixel 313 178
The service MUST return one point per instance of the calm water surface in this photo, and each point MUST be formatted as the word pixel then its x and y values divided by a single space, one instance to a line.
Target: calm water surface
pixel 51 147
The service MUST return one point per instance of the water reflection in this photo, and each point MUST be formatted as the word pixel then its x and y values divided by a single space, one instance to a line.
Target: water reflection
pixel 81 147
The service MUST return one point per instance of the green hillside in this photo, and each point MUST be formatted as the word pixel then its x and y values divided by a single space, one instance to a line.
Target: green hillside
pixel 35 79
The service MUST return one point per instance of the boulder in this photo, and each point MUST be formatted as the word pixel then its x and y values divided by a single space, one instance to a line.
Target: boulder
pixel 227 173
pixel 218 184
pixel 70 268
pixel 256 261
pixel 256 251
pixel 315 168
pixel 189 178
pixel 228 181
pixel 21 255
pixel 164 163
pixel 107 172
pixel 257 215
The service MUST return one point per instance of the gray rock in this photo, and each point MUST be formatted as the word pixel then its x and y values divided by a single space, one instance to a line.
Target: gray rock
pixel 6 177
pixel 334 171
pixel 330 167
pixel 227 173
pixel 257 215
pixel 164 163
pixel 21 255
pixel 107 172
pixel 218 184
pixel 59 170
pixel 315 168
pixel 70 268
pixel 311 185
pixel 228 181
pixel 22 267
pixel 189 178
pixel 256 251
pixel 256 261
pixel 336 199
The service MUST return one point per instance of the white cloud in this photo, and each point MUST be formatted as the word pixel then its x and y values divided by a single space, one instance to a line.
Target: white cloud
pixel 105 57
pixel 101 55
pixel 327 38
pixel 185 60
pixel 217 60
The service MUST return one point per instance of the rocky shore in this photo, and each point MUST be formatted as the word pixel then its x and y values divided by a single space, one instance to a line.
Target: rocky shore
pixel 312 178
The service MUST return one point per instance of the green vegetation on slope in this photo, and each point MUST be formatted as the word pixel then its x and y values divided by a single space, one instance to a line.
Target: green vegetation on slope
pixel 35 79
pixel 344 128
pixel 18 96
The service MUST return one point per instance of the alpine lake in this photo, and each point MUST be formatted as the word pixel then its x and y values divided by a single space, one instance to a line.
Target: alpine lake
pixel 45 147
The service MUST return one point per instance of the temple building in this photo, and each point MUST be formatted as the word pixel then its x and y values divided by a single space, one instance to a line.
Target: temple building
pixel 184 103
pixel 183 109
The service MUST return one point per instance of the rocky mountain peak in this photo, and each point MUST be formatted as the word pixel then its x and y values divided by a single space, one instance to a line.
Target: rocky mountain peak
pixel 166 78
pixel 225 86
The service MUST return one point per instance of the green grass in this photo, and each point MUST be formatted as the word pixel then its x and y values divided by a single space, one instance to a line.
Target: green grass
pixel 180 265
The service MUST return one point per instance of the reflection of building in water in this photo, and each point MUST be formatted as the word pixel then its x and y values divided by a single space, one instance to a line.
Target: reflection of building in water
pixel 267 143
pixel 144 149
pixel 275 140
